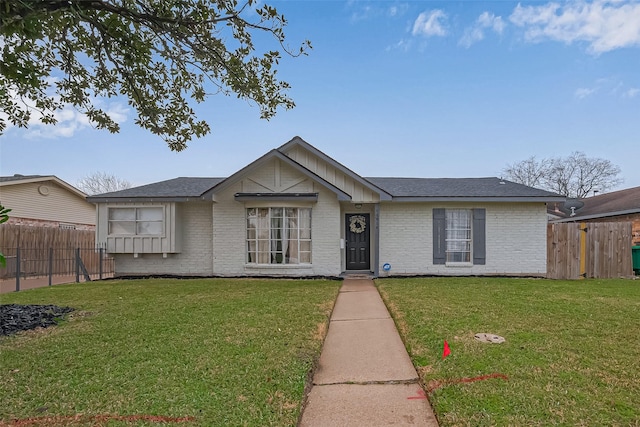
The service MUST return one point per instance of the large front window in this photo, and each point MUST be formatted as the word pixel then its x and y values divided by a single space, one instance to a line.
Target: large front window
pixel 143 221
pixel 279 235
pixel 458 235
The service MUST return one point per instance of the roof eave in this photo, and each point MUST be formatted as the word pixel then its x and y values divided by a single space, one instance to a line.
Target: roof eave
pixel 511 199
pixel 45 178
pixel 599 215
pixel 99 199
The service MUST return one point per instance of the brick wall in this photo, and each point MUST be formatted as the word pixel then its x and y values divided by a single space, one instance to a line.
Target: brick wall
pixel 229 238
pixel 515 239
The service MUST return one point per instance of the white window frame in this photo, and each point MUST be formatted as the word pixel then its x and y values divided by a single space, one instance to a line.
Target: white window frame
pixel 137 222
pixel 458 237
pixel 276 237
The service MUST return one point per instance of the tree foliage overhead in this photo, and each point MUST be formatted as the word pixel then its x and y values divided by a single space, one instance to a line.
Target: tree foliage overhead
pixel 159 54
pixel 102 182
pixel 574 176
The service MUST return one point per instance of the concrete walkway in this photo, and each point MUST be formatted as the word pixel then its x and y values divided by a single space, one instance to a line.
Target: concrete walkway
pixel 365 376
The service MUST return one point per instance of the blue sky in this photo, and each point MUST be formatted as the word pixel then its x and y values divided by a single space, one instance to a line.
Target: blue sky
pixel 406 88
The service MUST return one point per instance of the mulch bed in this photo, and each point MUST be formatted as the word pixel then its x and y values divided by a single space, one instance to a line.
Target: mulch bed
pixel 16 317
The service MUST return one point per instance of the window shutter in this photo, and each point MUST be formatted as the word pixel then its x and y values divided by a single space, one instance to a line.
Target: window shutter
pixel 439 235
pixel 479 237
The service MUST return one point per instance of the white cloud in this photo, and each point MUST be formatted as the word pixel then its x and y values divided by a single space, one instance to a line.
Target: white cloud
pixel 70 121
pixel 608 86
pixel 475 33
pixel 631 93
pixel 397 9
pixel 363 13
pixel 489 20
pixel 68 118
pixel 604 25
pixel 431 23
pixel 584 92
pixel 403 45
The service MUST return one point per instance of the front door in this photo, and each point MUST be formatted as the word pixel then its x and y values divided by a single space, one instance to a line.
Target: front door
pixel 357 241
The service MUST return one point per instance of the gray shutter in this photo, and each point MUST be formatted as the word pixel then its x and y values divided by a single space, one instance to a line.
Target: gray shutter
pixel 439 235
pixel 479 237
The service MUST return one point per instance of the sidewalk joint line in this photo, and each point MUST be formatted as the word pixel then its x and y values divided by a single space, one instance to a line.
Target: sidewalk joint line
pixel 387 382
pixel 360 320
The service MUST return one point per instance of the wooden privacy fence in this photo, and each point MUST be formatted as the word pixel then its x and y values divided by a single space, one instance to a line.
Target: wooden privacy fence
pixel 33 252
pixel 589 250
pixel 13 236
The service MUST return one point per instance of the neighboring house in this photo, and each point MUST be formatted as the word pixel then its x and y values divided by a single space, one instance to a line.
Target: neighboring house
pixel 297 212
pixel 46 201
pixel 616 206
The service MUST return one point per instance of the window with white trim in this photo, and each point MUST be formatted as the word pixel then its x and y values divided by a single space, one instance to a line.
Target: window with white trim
pixel 278 235
pixel 458 235
pixel 136 221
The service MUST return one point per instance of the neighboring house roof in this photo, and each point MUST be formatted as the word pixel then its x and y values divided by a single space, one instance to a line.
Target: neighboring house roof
pixel 396 189
pixel 25 179
pixel 443 189
pixel 622 202
pixel 45 200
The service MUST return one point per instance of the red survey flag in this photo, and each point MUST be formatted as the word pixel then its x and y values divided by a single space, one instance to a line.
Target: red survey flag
pixel 446 351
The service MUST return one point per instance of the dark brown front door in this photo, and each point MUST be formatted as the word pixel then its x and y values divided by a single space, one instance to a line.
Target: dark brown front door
pixel 357 241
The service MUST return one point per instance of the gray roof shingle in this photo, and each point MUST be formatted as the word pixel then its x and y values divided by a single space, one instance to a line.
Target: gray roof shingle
pixel 18 177
pixel 619 202
pixel 399 188
pixel 457 188
pixel 178 188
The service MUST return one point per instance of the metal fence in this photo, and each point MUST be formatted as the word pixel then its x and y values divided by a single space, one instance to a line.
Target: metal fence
pixel 85 263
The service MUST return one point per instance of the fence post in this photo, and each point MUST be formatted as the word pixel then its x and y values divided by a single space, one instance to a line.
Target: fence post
pixel 100 262
pixel 50 266
pixel 77 265
pixel 18 269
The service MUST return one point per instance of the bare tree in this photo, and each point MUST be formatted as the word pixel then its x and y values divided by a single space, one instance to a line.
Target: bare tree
pixel 102 182
pixel 528 172
pixel 574 176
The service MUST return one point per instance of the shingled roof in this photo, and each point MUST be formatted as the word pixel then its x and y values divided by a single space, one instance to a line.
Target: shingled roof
pixel 406 189
pixel 177 189
pixel 400 189
pixel 18 177
pixel 491 188
pixel 620 202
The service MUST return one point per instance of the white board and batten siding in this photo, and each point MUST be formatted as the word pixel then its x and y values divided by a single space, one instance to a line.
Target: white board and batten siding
pixel 194 239
pixel 166 243
pixel 358 192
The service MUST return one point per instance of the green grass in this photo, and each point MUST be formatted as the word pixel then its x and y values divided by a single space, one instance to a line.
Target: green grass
pixel 572 350
pixel 224 351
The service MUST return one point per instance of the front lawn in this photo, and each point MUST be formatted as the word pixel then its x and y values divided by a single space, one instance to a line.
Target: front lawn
pixel 213 351
pixel 571 356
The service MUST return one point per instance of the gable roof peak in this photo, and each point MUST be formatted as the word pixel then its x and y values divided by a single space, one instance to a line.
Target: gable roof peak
pixel 299 142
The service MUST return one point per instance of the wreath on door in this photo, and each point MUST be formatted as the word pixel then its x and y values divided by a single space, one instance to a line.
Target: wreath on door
pixel 357 224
